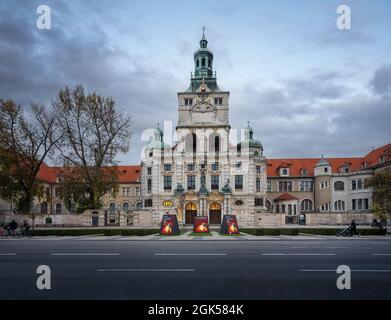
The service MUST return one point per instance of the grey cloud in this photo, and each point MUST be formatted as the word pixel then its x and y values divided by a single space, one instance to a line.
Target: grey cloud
pixel 381 81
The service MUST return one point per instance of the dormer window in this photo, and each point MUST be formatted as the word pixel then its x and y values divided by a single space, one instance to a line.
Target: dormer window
pixel 284 172
pixel 381 159
pixel 304 172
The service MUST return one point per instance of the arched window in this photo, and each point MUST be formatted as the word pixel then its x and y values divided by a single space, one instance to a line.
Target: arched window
pixel 217 144
pixel 203 62
pixel 285 172
pixel 138 205
pixel 58 208
pixel 191 143
pixel 268 205
pixel 214 143
pixel 339 186
pixel 339 205
pixel 44 208
pixel 306 205
pixel 354 185
pixel 125 206
pixel 198 63
pixel 112 208
pixel 239 149
pixel 209 63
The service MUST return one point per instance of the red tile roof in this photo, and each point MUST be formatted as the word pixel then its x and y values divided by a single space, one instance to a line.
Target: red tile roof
pixel 131 174
pixel 126 174
pixel 296 165
pixel 285 197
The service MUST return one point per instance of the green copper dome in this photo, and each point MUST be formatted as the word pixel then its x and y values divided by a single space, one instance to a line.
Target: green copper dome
pixel 249 141
pixel 157 141
pixel 203 68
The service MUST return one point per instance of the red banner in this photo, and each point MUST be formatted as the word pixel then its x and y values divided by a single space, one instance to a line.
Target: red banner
pixel 201 225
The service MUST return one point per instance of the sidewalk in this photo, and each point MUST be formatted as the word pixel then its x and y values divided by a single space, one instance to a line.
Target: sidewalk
pixel 186 237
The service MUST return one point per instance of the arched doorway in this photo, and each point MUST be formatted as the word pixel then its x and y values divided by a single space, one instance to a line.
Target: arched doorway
pixel 191 212
pixel 215 213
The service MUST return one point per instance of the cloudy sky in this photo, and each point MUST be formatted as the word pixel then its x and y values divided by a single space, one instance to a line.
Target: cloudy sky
pixel 307 87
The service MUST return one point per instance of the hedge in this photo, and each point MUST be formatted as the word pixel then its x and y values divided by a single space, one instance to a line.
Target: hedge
pixel 84 232
pixel 317 231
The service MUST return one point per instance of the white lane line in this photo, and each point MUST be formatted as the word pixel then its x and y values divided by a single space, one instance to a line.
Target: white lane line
pixel 381 254
pixel 190 254
pixel 7 254
pixel 84 254
pixel 145 270
pixel 320 248
pixel 298 254
pixel 334 270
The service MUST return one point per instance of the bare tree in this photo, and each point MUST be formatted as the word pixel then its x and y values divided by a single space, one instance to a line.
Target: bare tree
pixel 94 133
pixel 26 141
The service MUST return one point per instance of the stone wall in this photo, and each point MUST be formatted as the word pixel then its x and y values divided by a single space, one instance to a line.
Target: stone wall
pixel 137 219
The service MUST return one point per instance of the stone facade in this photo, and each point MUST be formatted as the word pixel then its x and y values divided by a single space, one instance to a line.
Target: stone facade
pixel 206 172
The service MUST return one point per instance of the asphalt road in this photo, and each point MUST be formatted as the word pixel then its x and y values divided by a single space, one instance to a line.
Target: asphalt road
pixel 195 269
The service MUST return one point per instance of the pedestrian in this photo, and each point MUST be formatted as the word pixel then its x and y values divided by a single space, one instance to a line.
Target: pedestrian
pixel 353 228
pixel 26 228
pixel 11 227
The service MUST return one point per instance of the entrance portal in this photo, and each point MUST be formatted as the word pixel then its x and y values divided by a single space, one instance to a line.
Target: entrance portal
pixel 191 212
pixel 215 213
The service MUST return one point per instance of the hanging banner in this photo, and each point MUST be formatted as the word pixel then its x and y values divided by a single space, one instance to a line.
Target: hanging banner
pixel 201 225
pixel 169 225
pixel 229 225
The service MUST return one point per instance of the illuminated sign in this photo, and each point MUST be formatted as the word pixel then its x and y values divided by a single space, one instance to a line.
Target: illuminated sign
pixel 168 203
pixel 201 225
pixel 229 226
pixel 169 225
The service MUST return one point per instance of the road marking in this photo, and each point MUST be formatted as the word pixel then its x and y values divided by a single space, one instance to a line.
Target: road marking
pixel 381 254
pixel 7 254
pixel 319 247
pixel 298 254
pixel 145 270
pixel 190 254
pixel 84 254
pixel 333 270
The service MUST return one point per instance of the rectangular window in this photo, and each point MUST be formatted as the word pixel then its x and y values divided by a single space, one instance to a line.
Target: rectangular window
pixel 191 182
pixel 306 186
pixel 190 167
pixel 167 183
pixel 258 184
pixel 258 169
pixel 366 204
pixel 258 202
pixel 126 192
pixel 359 204
pixel 359 184
pixel 215 166
pixel 149 187
pixel 218 101
pixel 148 203
pixel 149 171
pixel 285 186
pixel 269 186
pixel 214 182
pixel 283 208
pixel 167 167
pixel 138 191
pixel 188 102
pixel 238 182
pixel 354 202
pixel 289 209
